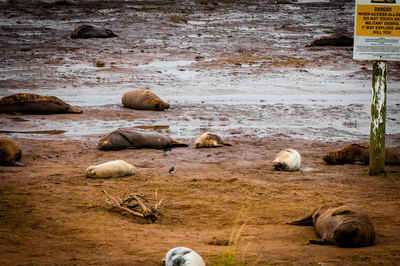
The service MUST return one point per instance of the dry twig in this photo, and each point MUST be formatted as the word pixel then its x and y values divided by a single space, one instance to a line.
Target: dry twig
pixel 134 205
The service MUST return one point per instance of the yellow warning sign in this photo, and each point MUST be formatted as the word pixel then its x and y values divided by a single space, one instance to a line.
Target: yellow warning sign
pixel 378 20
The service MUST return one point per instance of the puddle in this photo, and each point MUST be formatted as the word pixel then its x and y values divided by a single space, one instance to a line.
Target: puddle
pixel 50 132
pixel 312 1
pixel 19 119
pixel 152 127
pixel 176 69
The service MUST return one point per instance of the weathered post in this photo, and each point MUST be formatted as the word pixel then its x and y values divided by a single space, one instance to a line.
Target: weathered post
pixel 378 118
pixel 377 37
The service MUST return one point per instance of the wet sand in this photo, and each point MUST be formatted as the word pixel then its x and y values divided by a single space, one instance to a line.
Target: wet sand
pixel 241 70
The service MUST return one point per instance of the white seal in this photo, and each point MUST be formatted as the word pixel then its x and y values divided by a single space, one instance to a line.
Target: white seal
pixel 183 256
pixel 116 168
pixel 287 160
pixel 210 140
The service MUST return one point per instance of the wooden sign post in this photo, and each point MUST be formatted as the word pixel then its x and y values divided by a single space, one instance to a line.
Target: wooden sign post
pixel 377 38
pixel 378 118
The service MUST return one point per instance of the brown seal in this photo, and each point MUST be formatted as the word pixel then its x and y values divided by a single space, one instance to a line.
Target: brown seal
pixel 340 224
pixel 29 103
pixel 210 140
pixel 358 153
pixel 92 31
pixel 136 139
pixel 333 40
pixel 10 152
pixel 143 99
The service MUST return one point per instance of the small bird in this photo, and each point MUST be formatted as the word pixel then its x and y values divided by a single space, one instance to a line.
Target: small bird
pixel 172 170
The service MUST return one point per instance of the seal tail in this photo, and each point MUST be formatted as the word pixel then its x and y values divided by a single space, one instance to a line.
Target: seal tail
pixel 303 221
pixel 318 242
pixel 227 144
pixel 175 143
pixel 72 109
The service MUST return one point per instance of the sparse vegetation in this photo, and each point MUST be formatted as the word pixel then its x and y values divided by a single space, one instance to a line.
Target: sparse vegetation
pixel 100 64
pixel 228 257
pixel 179 19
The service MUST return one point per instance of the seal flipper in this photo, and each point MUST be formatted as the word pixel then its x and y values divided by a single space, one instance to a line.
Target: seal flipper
pixel 18 164
pixel 129 138
pixel 175 143
pixel 304 221
pixel 318 242
pixel 341 210
pixel 227 144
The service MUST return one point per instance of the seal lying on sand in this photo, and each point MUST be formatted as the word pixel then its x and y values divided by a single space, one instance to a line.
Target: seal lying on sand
pixel 183 256
pixel 116 168
pixel 340 224
pixel 210 140
pixel 91 31
pixel 10 152
pixel 29 103
pixel 143 100
pixel 359 153
pixel 136 139
pixel 287 160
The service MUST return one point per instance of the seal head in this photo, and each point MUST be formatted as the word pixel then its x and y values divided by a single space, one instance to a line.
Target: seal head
pixel 10 153
pixel 183 256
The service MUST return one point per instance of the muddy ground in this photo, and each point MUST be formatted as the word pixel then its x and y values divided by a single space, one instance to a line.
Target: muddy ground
pixel 238 68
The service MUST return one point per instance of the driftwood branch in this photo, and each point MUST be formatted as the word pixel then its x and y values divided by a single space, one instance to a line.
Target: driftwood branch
pixel 134 206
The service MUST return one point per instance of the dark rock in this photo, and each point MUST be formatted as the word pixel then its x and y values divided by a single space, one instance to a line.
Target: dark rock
pixel 92 31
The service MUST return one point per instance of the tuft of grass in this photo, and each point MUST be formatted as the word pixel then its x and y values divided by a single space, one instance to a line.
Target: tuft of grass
pixel 393 174
pixel 100 64
pixel 179 19
pixel 228 257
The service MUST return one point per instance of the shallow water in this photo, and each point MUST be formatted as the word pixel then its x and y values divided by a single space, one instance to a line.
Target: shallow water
pixel 236 70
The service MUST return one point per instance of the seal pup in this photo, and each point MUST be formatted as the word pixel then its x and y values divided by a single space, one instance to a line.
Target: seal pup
pixel 358 153
pixel 117 168
pixel 182 256
pixel 143 99
pixel 287 160
pixel 91 31
pixel 340 224
pixel 210 140
pixel 10 153
pixel 28 103
pixel 135 139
